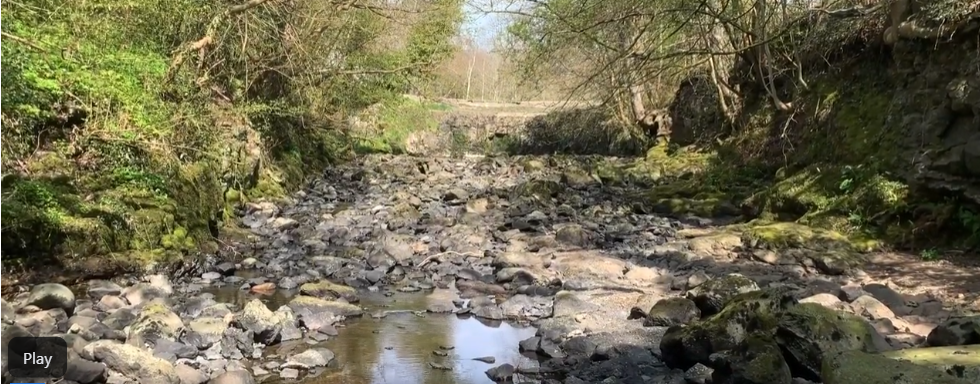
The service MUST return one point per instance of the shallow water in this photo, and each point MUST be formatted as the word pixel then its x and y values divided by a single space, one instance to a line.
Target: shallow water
pixel 398 348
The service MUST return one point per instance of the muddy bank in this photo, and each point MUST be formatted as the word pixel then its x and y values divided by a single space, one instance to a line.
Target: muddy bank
pixel 613 289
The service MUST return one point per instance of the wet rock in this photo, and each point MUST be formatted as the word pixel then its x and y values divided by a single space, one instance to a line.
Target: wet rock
pixel 262 322
pixel 441 301
pixel 672 311
pixel 712 295
pixel 308 306
pixel 501 373
pixel 50 296
pixel 131 362
pixel 328 290
pixel 311 358
pixel 486 359
pixel 441 367
pixel 530 344
pixel 960 330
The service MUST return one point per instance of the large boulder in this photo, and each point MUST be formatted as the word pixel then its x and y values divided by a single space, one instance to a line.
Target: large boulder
pixel 753 312
pixel 756 360
pixel 131 362
pixel 958 330
pixel 807 332
pixel 264 324
pixel 156 320
pixel 51 296
pixel 672 311
pixel 714 294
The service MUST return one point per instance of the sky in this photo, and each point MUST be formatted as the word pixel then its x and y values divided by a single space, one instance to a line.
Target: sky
pixel 485 26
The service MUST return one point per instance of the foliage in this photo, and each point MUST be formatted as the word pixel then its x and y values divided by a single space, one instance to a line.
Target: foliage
pixel 137 125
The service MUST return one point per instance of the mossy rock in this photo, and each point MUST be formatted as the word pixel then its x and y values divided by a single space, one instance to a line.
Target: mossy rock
pixel 541 189
pixel 754 313
pixel 326 289
pixel 761 234
pixel 532 164
pixel 808 331
pixel 857 367
pixel 714 294
pixel 756 360
pixel 959 361
pixel 303 305
pixel 709 207
pixel 577 178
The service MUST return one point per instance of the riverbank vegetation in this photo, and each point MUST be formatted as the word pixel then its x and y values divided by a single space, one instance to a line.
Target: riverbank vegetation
pixel 134 128
pixel 851 116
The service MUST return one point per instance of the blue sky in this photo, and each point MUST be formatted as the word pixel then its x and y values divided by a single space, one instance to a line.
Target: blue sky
pixel 485 26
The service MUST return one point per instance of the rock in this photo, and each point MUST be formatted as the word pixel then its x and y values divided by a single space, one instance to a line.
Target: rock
pixel 486 359
pixel 205 332
pixel 961 330
pixel 131 362
pixel 84 371
pixel 97 289
pixel 871 308
pixel 889 297
pixel 261 321
pixel 155 321
pixel 856 367
pixel 756 360
pixel 806 332
pixel 311 358
pixel 306 306
pixel 190 375
pixel 712 295
pixel 327 290
pixel 672 311
pixel 142 293
pixel 440 301
pixel 289 373
pixel 824 299
pixel 573 234
pixel 234 377
pixel 753 312
pixel 49 296
pixel 501 373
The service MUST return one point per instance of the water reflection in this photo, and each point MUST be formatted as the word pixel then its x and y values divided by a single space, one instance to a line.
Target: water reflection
pixel 399 348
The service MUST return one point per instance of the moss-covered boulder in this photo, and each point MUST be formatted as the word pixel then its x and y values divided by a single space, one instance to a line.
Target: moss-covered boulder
pixel 711 296
pixel 156 321
pixel 808 331
pixel 857 367
pixel 672 311
pixel 756 360
pixel 958 361
pixel 325 289
pixel 755 312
